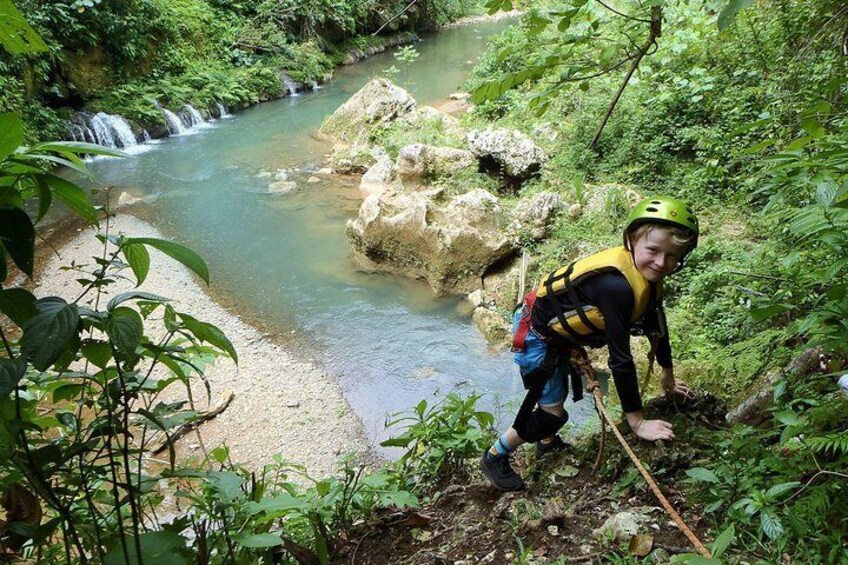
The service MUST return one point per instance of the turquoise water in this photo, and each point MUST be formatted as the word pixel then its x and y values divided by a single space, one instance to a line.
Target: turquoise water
pixel 284 259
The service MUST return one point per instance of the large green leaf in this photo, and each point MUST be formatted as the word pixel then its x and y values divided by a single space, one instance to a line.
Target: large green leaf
pixel 138 259
pixel 45 197
pixel 18 304
pixel 210 334
pixel 11 133
pixel 277 504
pixel 728 14
pixel 99 353
pixel 17 235
pixel 257 540
pixel 227 484
pixel 132 295
pixel 157 548
pixel 73 196
pixel 11 372
pixel 179 252
pixel 16 35
pixel 79 147
pixel 47 333
pixel 125 329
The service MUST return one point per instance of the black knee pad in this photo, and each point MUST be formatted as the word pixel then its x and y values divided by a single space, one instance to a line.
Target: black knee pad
pixel 539 425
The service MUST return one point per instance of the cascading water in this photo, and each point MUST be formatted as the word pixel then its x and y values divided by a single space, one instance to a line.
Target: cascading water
pixel 145 137
pixel 222 111
pixel 175 124
pixel 314 85
pixel 289 84
pixel 112 131
pixel 195 119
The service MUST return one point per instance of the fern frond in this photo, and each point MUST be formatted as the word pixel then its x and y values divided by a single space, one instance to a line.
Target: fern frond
pixel 831 444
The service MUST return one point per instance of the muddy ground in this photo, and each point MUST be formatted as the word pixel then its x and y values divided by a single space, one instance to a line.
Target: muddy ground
pixel 468 521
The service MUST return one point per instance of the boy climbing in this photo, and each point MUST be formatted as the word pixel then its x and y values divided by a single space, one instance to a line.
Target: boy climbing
pixel 598 300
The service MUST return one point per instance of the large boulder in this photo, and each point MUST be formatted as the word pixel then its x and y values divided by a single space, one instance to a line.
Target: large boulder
pixel 532 215
pixel 419 161
pixel 507 153
pixel 450 245
pixel 378 102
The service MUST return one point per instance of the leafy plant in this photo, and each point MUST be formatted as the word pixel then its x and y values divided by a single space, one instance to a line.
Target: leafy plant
pixel 438 439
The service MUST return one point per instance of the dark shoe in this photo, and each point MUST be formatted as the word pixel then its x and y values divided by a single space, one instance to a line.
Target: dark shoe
pixel 555 446
pixel 500 472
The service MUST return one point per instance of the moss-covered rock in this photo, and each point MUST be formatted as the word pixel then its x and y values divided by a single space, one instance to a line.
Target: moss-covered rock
pixel 378 102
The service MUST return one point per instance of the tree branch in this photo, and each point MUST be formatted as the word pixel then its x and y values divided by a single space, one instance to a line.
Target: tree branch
pixel 656 31
pixel 614 11
pixel 396 16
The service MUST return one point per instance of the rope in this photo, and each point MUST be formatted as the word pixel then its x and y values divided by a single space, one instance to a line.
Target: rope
pixel 580 360
pixel 652 355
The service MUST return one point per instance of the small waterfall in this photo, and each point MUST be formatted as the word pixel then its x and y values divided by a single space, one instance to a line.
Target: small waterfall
pixel 314 85
pixel 222 110
pixel 289 84
pixel 195 118
pixel 145 137
pixel 112 131
pixel 175 124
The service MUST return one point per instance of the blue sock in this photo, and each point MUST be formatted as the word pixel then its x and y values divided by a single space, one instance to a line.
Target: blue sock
pixel 501 448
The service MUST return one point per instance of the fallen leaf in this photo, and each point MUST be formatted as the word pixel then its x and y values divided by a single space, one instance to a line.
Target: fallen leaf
pixel 641 545
pixel 567 471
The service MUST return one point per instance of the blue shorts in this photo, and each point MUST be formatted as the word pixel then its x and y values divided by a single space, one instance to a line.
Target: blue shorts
pixel 531 358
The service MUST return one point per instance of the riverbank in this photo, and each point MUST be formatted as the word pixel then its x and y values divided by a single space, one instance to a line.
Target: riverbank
pixel 282 405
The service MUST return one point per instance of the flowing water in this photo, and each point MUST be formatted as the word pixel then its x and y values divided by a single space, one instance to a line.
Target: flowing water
pixel 284 259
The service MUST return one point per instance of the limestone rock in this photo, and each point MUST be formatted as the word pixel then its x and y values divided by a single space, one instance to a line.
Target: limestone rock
pixel 459 95
pixel 378 102
pixel 355 158
pixel 380 177
pixel 533 215
pixel 575 211
pixel 412 234
pixel 621 526
pixel 282 187
pixel 492 324
pixel 419 161
pixel 601 198
pixel 506 152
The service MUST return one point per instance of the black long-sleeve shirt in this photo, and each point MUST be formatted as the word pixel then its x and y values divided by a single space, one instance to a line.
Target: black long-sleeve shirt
pixel 612 295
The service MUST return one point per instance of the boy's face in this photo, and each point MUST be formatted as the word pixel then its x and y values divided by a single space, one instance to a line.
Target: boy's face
pixel 655 254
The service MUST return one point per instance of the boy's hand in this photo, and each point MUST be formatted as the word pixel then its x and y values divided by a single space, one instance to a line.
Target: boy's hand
pixel 649 430
pixel 652 430
pixel 672 386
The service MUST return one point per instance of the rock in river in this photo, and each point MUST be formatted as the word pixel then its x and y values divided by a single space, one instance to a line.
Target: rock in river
pixel 449 244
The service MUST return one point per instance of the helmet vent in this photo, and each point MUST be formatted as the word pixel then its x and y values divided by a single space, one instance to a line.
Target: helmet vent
pixel 651 209
pixel 693 220
pixel 655 202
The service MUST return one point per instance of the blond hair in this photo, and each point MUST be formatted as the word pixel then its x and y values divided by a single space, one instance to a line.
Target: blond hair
pixel 680 237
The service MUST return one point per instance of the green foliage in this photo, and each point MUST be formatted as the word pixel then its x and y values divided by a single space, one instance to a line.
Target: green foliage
pixel 81 400
pixel 236 513
pixel 438 439
pixel 783 487
pixel 125 57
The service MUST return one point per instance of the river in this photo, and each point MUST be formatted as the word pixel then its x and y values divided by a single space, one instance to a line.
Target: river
pixel 282 260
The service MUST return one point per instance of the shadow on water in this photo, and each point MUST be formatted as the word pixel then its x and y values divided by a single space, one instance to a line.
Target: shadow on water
pixel 284 258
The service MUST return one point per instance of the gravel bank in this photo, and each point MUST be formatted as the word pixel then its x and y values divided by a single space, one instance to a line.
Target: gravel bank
pixel 281 406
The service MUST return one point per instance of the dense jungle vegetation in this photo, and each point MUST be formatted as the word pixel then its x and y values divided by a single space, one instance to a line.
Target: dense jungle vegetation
pixel 737 106
pixel 125 57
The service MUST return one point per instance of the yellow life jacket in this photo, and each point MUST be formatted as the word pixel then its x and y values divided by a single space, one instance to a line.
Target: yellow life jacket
pixel 586 321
